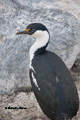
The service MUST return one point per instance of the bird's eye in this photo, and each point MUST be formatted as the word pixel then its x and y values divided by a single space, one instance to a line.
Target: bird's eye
pixel 33 30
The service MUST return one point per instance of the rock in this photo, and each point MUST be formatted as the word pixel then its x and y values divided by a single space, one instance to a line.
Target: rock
pixel 18 101
pixel 1 37
pixel 76 66
pixel 71 6
pixel 14 50
pixel 24 100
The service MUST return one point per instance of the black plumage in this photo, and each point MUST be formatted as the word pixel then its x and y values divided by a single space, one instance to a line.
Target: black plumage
pixel 55 96
pixel 52 83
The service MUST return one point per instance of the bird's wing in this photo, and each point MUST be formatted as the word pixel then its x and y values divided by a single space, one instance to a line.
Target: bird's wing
pixel 69 89
pixel 45 91
pixel 51 75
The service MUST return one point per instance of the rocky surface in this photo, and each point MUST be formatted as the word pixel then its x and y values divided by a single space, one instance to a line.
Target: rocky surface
pixel 14 59
pixel 72 6
pixel 62 19
pixel 26 100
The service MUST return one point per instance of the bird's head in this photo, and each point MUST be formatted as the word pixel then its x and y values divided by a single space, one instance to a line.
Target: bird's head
pixel 35 29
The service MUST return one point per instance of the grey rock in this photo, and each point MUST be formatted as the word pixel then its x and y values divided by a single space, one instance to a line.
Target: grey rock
pixel 14 50
pixel 76 66
pixel 19 100
pixel 73 7
pixel 24 100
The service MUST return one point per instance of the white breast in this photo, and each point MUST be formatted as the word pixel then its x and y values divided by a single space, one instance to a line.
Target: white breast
pixel 42 38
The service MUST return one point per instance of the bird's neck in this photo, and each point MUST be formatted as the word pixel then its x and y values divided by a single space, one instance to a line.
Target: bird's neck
pixel 39 46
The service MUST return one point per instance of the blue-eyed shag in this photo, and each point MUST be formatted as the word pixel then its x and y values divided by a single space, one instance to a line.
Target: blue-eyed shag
pixel 51 81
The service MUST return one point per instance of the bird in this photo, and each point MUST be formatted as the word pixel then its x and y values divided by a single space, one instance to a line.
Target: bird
pixel 51 81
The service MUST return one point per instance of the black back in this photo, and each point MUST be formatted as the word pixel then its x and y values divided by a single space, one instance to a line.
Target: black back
pixel 57 96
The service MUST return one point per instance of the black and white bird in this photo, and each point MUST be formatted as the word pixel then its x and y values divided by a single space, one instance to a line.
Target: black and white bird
pixel 51 81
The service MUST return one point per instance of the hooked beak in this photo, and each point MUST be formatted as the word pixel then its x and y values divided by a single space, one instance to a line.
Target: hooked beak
pixel 23 32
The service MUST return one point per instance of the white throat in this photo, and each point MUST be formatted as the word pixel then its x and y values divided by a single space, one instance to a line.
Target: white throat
pixel 42 38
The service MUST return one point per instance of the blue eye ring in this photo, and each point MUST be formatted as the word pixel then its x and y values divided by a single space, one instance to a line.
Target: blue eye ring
pixel 33 30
